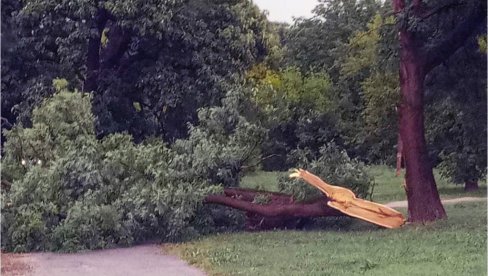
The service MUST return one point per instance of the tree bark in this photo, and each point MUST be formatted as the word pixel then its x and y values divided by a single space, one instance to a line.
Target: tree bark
pixel 424 203
pixel 93 54
pixel 416 60
pixel 281 211
pixel 318 208
pixel 399 155
pixel 471 185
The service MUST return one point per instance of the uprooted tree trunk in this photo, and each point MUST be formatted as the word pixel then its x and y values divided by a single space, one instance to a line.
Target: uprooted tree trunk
pixel 276 210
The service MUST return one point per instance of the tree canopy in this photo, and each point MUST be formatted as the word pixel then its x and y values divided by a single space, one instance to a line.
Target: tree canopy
pixel 151 64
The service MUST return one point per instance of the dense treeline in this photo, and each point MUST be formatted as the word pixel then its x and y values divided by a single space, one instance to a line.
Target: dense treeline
pixel 187 96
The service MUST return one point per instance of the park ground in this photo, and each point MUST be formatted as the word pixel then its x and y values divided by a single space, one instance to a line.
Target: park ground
pixel 344 246
pixel 456 246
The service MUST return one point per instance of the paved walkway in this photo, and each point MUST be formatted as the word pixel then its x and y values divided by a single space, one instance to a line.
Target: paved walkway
pixel 143 260
pixel 404 203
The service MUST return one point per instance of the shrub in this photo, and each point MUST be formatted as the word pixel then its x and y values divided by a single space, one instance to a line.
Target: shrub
pixel 222 144
pixel 298 109
pixel 71 191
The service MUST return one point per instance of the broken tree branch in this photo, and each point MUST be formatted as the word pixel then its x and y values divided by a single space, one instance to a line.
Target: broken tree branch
pixel 285 209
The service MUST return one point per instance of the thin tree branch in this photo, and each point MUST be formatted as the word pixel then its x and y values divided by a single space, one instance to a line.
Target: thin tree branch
pixel 318 208
pixel 440 9
pixel 398 6
pixel 93 55
pixel 6 121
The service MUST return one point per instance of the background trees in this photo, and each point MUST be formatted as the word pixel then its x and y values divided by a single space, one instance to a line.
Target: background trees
pixel 456 108
pixel 150 64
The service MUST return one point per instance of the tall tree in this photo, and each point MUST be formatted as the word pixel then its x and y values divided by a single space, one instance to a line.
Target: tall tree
pixel 150 64
pixel 456 114
pixel 423 46
pixel 371 61
pixel 317 43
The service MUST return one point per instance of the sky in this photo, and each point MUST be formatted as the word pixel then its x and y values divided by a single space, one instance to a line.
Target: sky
pixel 285 10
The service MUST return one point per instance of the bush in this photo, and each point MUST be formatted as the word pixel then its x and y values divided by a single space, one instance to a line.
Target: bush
pixel 333 165
pixel 298 109
pixel 71 191
pixel 222 145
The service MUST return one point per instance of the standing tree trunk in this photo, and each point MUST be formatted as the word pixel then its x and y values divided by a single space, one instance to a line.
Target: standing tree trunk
pixel 417 58
pixel 424 203
pixel 471 185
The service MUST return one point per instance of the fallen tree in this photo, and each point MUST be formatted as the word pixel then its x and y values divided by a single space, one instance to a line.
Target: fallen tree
pixel 278 211
pixel 71 191
pixel 283 207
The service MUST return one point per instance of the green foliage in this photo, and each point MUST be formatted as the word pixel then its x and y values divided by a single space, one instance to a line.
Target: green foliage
pixel 456 115
pixel 456 134
pixel 171 57
pixel 317 43
pixel 293 90
pixel 297 109
pixel 71 191
pixel 334 166
pixel 368 65
pixel 482 43
pixel 223 144
pixel 356 46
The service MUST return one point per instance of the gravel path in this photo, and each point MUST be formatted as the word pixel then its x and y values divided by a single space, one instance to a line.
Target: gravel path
pixel 404 203
pixel 143 260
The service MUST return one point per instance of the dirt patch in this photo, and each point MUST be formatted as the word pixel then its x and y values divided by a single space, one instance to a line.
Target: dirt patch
pixel 15 264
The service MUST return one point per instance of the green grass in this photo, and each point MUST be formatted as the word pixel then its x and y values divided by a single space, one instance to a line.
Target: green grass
pixel 456 246
pixel 388 187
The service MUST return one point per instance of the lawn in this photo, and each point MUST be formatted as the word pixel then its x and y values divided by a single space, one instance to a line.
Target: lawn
pixel 388 187
pixel 456 246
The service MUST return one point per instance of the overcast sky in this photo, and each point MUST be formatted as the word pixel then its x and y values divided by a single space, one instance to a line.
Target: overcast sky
pixel 285 10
